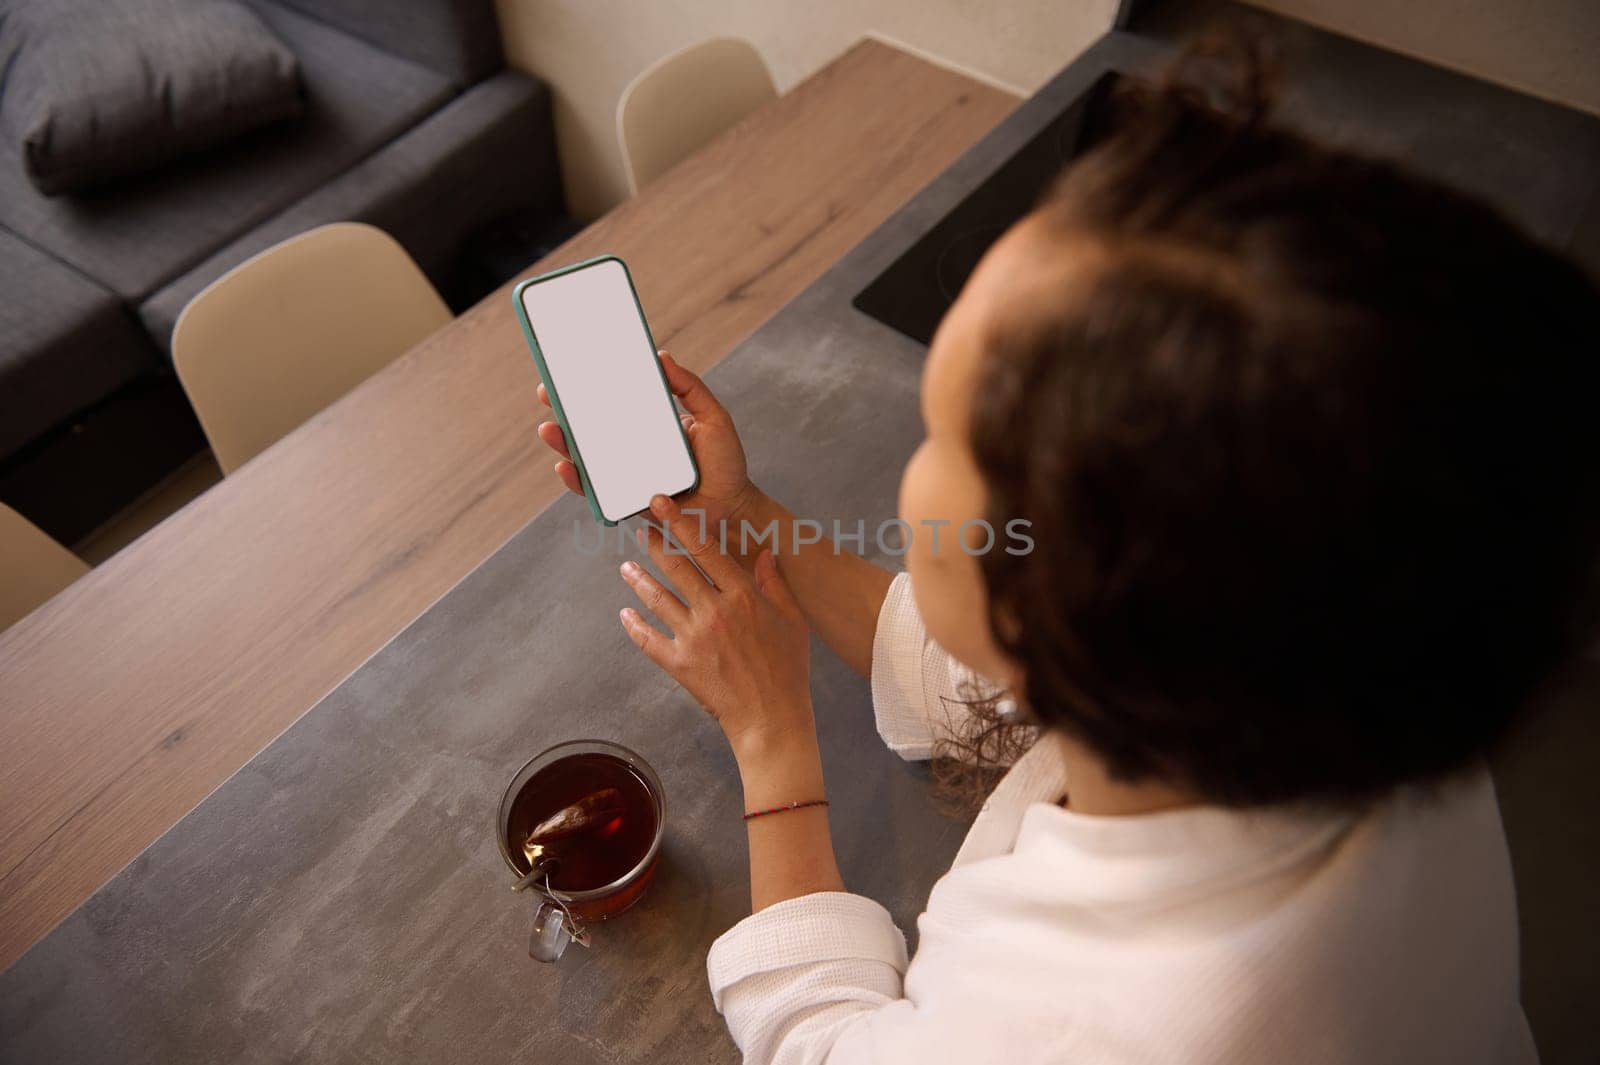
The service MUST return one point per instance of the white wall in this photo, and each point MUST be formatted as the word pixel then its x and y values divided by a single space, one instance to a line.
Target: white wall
pixel 1547 48
pixel 588 51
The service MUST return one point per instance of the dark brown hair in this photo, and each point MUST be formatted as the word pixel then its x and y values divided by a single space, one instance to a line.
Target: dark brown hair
pixel 1310 455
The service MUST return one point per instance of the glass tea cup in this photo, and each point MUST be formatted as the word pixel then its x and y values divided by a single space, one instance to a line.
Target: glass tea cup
pixel 597 872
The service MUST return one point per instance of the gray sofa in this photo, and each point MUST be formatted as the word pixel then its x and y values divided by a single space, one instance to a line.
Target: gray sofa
pixel 411 123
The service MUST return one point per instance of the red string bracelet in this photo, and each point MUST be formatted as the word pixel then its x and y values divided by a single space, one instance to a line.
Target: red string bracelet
pixel 785 808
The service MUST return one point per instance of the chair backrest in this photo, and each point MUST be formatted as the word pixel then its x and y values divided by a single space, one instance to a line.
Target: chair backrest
pixel 686 99
pixel 282 335
pixel 33 567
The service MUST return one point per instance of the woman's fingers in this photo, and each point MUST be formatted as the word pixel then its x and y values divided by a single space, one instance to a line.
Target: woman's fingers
pixel 567 473
pixel 554 439
pixel 700 542
pixel 656 598
pixel 773 585
pixel 697 399
pixel 655 645
pixel 691 586
pixel 544 397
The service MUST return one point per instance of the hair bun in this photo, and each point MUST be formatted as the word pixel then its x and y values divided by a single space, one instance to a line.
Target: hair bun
pixel 1231 69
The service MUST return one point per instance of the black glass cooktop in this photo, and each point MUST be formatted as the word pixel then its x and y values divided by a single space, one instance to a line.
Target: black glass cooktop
pixel 917 288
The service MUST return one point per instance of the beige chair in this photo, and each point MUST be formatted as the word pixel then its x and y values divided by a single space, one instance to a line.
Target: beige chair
pixel 284 334
pixel 685 100
pixel 33 567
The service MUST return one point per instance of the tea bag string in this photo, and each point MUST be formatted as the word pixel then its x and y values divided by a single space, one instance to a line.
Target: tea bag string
pixel 574 929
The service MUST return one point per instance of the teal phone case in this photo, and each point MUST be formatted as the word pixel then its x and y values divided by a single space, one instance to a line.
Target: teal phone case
pixel 555 397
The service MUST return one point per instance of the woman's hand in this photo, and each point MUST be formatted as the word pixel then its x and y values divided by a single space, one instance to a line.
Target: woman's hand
pixel 739 645
pixel 739 642
pixel 725 492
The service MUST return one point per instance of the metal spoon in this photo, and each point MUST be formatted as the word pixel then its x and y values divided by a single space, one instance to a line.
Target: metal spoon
pixel 540 867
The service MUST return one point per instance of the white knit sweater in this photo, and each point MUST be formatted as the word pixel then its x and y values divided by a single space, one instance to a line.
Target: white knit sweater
pixel 1198 936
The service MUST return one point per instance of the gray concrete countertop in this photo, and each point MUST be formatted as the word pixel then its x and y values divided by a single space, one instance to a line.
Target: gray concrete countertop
pixel 341 898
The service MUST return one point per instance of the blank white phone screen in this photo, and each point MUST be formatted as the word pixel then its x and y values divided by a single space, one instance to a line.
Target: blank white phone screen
pixel 619 414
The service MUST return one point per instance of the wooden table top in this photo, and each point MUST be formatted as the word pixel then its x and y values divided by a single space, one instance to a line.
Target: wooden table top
pixel 134 693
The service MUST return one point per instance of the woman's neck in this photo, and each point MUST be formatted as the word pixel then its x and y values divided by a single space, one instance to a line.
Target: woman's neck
pixel 1092 790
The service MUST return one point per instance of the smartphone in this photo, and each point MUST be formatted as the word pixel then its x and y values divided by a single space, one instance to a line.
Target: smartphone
pixel 586 329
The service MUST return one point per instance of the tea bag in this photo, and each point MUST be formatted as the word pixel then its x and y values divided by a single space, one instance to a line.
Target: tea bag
pixel 595 810
pixel 598 811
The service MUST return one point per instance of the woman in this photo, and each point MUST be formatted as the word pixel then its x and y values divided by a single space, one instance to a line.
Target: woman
pixel 1304 447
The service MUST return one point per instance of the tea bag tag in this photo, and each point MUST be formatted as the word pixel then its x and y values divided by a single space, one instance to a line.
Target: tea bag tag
pixel 554 926
pixel 549 937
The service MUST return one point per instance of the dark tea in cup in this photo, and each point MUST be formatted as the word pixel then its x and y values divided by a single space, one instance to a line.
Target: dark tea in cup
pixel 591 813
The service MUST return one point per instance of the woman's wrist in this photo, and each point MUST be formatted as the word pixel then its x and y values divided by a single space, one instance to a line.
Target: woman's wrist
pixel 779 766
pixel 751 506
pixel 755 522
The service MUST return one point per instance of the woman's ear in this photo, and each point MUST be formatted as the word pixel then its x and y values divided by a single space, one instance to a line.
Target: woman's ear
pixel 1005 631
pixel 1007 628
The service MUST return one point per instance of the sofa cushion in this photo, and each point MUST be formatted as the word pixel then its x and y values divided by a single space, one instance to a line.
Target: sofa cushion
pixel 457 38
pixel 65 343
pixel 487 153
pixel 97 91
pixel 137 237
